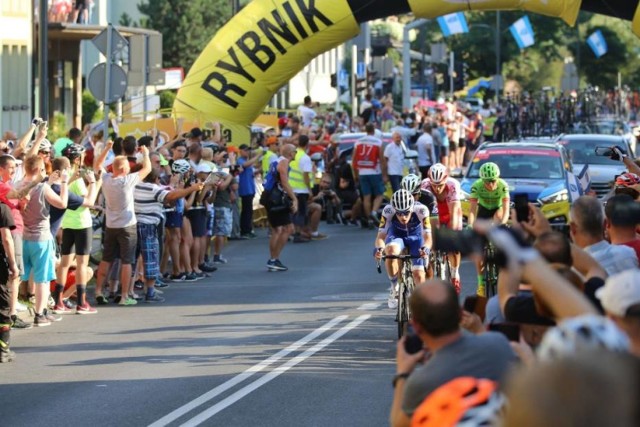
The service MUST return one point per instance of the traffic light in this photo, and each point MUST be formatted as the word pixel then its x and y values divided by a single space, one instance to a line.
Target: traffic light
pixel 334 80
pixel 361 84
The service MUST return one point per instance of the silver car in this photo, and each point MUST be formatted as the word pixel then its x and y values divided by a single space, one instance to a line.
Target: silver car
pixel 602 169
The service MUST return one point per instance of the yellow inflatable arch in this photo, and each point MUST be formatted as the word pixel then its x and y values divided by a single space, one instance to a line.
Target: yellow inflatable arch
pixel 261 48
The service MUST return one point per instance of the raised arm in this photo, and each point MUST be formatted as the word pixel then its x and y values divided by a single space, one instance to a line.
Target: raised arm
pixel 24 139
pixel 146 163
pixel 99 162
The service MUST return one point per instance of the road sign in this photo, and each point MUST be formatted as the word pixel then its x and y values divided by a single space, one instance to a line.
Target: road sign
pixel 117 82
pixel 145 55
pixel 497 83
pixel 438 52
pixel 117 41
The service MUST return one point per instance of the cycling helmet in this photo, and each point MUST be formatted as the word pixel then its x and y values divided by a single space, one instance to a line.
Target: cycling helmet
pixel 411 183
pixel 579 334
pixel 402 201
pixel 180 166
pixel 464 401
pixel 627 179
pixel 438 173
pixel 489 171
pixel 45 145
pixel 72 151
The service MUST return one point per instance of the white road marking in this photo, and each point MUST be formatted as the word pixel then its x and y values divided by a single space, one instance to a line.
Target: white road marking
pixel 369 306
pixel 246 374
pixel 204 416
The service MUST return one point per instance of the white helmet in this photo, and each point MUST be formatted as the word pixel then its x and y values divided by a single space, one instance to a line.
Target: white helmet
pixel 411 183
pixel 579 334
pixel 402 201
pixel 180 166
pixel 45 145
pixel 438 173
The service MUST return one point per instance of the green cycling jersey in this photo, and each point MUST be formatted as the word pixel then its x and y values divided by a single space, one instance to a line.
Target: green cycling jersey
pixel 490 199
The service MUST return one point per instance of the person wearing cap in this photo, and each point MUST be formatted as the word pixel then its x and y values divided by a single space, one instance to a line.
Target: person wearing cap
pixel 271 155
pixel 247 188
pixel 620 298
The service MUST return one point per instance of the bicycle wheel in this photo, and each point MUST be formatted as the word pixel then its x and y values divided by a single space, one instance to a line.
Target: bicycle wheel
pixel 490 273
pixel 437 265
pixel 406 287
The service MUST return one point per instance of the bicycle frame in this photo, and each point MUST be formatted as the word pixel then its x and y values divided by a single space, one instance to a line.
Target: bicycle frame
pixel 405 287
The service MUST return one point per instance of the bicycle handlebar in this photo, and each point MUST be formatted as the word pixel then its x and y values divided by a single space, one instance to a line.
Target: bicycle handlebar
pixel 402 256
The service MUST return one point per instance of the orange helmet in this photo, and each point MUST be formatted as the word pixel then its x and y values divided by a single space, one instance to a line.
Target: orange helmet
pixel 462 401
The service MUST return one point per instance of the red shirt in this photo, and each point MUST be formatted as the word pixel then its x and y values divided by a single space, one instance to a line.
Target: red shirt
pixel 5 188
pixel 635 245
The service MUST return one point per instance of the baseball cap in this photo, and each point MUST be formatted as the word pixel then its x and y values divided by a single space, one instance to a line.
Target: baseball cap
pixel 620 292
pixel 203 168
pixel 271 140
pixel 243 147
pixel 232 149
pixel 282 122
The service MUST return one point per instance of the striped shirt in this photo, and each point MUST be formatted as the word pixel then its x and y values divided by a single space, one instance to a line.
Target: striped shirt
pixel 148 199
pixel 613 258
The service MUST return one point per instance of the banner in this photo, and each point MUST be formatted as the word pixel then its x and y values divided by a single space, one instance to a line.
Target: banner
pixel 597 43
pixel 454 23
pixel 522 31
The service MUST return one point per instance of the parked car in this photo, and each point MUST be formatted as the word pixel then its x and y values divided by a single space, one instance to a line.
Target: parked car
pixel 541 170
pixel 602 170
pixel 605 125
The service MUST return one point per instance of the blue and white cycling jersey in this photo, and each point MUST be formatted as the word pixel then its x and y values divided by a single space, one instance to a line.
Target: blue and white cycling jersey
pixel 417 225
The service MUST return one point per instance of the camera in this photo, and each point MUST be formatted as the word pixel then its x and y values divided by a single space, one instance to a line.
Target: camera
pixel 609 152
pixel 466 242
pixel 413 343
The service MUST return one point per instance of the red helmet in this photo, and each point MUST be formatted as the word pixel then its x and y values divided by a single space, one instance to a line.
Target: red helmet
pixel 282 122
pixel 627 179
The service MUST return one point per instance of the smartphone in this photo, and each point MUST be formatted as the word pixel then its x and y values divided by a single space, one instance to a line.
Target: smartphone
pixel 286 132
pixel 509 330
pixel 464 241
pixel 604 151
pixel 413 343
pixel 470 303
pixel 522 207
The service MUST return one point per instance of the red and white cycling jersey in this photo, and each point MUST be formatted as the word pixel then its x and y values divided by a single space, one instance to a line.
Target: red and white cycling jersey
pixel 450 194
pixel 366 155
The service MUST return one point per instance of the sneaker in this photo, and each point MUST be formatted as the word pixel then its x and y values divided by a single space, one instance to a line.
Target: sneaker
pixel 276 266
pixel 191 277
pixel 319 236
pixel 20 307
pixel 51 317
pixel 208 268
pixel 40 320
pixel 153 298
pixel 160 284
pixel 101 300
pixel 166 276
pixel 201 275
pixel 178 278
pixel 6 355
pixel 139 285
pixel 18 323
pixel 250 235
pixel 456 284
pixel 136 296
pixel 69 304
pixel 127 301
pixel 219 259
pixel 60 309
pixel 392 299
pixel 300 239
pixel 238 238
pixel 85 309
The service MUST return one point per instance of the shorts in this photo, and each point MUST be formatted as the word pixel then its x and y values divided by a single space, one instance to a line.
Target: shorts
pixel 174 220
pixel 371 185
pixel 484 213
pixel 444 150
pixel 120 243
pixel 149 247
pixel 198 218
pixel 462 143
pixel 279 218
pixel 453 145
pixel 80 239
pixel 17 247
pixel 413 243
pixel 300 217
pixel 222 222
pixel 39 259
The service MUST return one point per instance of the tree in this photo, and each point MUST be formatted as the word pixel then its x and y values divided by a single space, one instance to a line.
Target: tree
pixel 186 26
pixel 603 71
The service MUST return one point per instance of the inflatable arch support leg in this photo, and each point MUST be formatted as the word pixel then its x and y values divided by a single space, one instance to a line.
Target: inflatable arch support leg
pixel 270 41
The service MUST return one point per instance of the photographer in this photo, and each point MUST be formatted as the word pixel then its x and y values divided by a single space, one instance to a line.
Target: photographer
pixel 327 199
pixel 617 154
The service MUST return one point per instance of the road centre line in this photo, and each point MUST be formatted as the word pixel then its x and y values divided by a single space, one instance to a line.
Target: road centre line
pixel 246 374
pixel 369 306
pixel 230 400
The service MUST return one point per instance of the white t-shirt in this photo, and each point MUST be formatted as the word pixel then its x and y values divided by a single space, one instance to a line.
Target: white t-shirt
pixel 307 114
pixel 305 166
pixel 118 195
pixel 395 157
pixel 426 154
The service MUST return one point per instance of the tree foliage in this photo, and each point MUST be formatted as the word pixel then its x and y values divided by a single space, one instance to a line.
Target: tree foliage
pixel 186 26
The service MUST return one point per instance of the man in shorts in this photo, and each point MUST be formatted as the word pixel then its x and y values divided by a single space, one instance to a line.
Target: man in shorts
pixel 370 170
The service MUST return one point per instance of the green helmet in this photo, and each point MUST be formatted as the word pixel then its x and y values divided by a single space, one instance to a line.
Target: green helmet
pixel 489 172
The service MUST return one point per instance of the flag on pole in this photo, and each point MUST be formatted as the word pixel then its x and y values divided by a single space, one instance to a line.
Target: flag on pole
pixel 454 23
pixel 597 43
pixel 522 31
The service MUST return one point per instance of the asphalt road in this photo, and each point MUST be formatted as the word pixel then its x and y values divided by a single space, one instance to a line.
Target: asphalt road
pixel 314 346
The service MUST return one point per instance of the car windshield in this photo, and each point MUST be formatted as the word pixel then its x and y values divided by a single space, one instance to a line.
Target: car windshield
pixel 603 127
pixel 520 163
pixel 583 151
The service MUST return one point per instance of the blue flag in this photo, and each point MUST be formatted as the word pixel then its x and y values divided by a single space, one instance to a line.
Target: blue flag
pixel 597 43
pixel 522 31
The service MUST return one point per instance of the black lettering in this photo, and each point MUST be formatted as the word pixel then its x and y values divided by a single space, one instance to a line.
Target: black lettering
pixel 281 30
pixel 228 135
pixel 236 67
pixel 225 87
pixel 310 12
pixel 252 52
pixel 294 18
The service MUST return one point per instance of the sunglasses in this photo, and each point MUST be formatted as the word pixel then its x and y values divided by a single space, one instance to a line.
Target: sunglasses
pixel 489 181
pixel 44 152
pixel 403 213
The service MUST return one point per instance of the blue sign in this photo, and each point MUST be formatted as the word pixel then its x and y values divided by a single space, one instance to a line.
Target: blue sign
pixel 361 72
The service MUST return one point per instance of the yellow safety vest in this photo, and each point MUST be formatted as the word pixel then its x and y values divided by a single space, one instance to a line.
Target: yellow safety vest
pixel 296 177
pixel 267 159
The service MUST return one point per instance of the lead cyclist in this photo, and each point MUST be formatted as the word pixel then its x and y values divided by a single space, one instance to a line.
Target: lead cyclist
pixel 444 192
pixel 404 224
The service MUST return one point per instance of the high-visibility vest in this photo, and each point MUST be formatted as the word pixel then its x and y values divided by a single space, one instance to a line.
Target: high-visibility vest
pixel 267 159
pixel 296 177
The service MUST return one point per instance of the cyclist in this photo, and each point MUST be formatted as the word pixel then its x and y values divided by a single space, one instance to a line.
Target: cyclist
pixel 445 193
pixel 490 200
pixel 404 224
